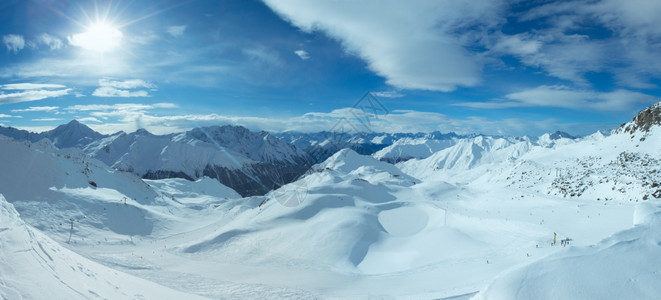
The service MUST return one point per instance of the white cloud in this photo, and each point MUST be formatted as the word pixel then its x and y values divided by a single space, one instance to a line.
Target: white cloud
pixel 47 40
pixel 566 97
pixel 126 84
pixel 5 116
pixel 411 44
pixel 30 86
pixel 388 94
pixel 114 88
pixel 123 107
pixel 176 31
pixel 46 119
pixel 302 54
pixel 264 55
pixel 30 92
pixel 106 91
pixel 89 119
pixel 13 42
pixel 574 38
pixel 80 68
pixel 37 109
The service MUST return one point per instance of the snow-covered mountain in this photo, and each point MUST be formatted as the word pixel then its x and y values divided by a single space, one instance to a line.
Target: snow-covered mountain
pixel 409 148
pixel 557 138
pixel 252 163
pixel 467 154
pixel 321 145
pixel 70 135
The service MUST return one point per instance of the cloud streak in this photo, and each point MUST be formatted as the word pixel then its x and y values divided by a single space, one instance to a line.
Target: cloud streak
pixel 24 92
pixel 37 109
pixel 123 89
pixel 569 98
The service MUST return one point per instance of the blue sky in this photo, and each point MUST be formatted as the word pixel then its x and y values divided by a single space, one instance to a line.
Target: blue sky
pixel 488 66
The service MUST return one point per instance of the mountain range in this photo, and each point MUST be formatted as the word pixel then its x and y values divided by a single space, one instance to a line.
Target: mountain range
pixel 252 163
pixel 460 217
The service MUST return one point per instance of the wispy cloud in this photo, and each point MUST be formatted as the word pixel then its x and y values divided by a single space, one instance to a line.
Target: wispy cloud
pixel 31 86
pixel 565 97
pixel 126 88
pixel 89 119
pixel 302 54
pixel 264 55
pixel 47 40
pixel 388 94
pixel 13 42
pixel 23 92
pixel 6 116
pixel 176 31
pixel 124 107
pixel 37 109
pixel 47 119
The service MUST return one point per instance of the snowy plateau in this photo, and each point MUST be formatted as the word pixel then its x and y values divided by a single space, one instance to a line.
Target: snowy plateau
pixel 226 213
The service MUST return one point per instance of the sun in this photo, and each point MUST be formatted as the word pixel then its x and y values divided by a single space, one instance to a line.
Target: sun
pixel 99 37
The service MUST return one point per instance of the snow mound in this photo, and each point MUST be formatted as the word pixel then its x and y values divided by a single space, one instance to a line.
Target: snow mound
pixel 624 266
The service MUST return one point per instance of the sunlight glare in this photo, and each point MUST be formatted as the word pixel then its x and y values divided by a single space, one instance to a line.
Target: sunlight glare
pixel 100 37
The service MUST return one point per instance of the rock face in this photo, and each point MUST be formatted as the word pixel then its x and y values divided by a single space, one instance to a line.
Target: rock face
pixel 643 121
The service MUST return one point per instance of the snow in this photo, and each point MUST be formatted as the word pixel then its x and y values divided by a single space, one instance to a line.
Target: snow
pixel 475 219
pixel 33 266
pixel 623 266
pixel 407 148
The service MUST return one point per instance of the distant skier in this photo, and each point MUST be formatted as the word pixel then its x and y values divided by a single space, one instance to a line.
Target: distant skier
pixel 555 236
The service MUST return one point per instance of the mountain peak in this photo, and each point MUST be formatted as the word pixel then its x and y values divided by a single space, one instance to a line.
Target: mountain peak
pixel 74 122
pixel 72 134
pixel 142 131
pixel 561 134
pixel 645 119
